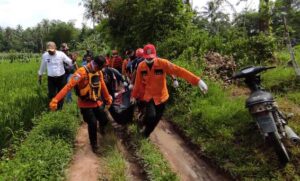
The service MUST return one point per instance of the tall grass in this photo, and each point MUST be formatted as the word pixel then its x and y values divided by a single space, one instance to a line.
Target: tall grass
pixel 294 96
pixel 21 99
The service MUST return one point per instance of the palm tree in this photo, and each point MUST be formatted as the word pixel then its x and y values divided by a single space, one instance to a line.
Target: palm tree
pixel 213 9
pixel 214 14
pixel 94 10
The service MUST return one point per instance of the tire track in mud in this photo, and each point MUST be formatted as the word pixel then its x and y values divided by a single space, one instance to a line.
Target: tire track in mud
pixel 183 160
pixel 135 168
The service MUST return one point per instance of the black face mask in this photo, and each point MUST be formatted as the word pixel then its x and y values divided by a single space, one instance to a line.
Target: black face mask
pixel 51 52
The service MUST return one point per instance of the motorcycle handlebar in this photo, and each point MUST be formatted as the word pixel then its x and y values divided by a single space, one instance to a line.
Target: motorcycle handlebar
pixel 242 75
pixel 272 67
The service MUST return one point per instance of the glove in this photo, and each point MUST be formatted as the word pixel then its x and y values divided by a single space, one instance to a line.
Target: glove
pixel 203 87
pixel 130 87
pixel 53 104
pixel 175 83
pixel 132 100
pixel 125 84
pixel 116 94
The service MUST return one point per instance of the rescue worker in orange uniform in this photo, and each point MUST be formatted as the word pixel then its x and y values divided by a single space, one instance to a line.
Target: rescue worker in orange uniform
pixel 151 86
pixel 90 87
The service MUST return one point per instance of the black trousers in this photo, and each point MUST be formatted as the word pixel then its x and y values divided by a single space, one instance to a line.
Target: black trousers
pixel 55 84
pixel 91 116
pixel 153 114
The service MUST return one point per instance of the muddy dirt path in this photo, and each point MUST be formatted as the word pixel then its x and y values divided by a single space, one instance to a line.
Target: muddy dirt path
pixel 134 170
pixel 182 159
pixel 85 163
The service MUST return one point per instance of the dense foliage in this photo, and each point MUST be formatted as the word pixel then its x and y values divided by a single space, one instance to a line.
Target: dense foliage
pixel 128 24
pixel 250 36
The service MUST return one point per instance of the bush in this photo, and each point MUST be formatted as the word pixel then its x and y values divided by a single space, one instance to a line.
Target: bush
pixel 279 79
pixel 261 48
pixel 245 50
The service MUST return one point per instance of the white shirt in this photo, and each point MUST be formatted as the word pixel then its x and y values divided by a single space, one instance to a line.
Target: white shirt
pixel 54 63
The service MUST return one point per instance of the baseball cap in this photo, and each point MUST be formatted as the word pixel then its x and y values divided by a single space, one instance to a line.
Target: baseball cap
pixel 51 46
pixel 149 51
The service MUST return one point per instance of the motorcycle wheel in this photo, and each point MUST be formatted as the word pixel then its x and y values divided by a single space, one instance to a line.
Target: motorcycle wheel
pixel 279 148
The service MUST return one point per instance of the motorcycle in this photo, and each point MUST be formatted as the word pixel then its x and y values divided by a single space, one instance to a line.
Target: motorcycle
pixel 271 122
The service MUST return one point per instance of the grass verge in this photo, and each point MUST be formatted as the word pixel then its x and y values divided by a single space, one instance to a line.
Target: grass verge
pixel 156 166
pixel 111 159
pixel 47 150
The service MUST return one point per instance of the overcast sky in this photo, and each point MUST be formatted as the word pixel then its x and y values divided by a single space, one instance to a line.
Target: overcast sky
pixel 28 13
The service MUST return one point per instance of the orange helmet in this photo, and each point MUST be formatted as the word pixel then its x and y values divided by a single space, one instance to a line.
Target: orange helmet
pixel 139 52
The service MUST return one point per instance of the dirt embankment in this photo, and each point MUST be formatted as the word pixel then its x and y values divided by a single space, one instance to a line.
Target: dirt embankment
pixel 183 160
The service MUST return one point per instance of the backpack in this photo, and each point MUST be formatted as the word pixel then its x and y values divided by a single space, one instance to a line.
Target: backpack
pixel 92 91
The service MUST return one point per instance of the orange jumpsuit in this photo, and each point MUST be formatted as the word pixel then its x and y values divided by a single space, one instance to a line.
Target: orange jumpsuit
pixel 80 78
pixel 152 84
